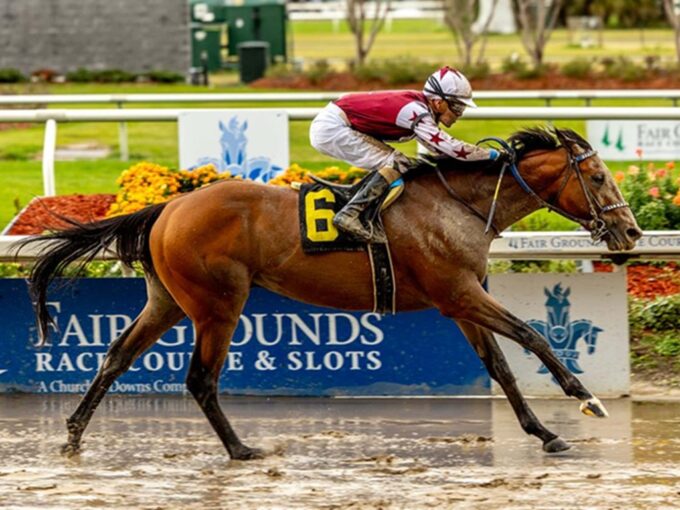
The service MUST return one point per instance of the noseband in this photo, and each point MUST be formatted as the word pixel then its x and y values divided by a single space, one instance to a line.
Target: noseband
pixel 595 224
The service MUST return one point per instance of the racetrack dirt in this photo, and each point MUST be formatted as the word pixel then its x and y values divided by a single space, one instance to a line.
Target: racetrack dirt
pixel 159 452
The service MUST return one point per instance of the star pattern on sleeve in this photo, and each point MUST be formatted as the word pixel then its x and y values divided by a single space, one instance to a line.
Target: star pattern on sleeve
pixel 413 117
pixel 462 153
pixel 436 139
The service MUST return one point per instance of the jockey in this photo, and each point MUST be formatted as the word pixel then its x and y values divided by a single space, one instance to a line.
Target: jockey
pixel 355 128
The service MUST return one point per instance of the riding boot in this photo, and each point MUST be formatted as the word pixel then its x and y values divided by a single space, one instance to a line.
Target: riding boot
pixel 373 189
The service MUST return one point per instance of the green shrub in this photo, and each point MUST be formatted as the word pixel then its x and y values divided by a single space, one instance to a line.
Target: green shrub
pixel 369 73
pixel 114 76
pixel 530 73
pixel 513 64
pixel 396 71
pixel 660 314
pixel 165 77
pixel 318 71
pixel 477 71
pixel 578 68
pixel 80 75
pixel 8 75
pixel 623 68
pixel 280 70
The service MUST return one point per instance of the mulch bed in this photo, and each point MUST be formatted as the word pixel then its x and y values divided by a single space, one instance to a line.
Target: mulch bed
pixel 44 213
pixel 499 81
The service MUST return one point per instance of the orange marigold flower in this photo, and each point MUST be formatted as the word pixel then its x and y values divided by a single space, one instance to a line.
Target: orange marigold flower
pixel 619 177
pixel 670 165
pixel 654 192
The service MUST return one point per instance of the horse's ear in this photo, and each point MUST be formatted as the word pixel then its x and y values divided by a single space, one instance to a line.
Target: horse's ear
pixel 568 141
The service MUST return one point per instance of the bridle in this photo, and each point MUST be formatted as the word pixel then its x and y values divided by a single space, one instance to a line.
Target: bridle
pixel 594 224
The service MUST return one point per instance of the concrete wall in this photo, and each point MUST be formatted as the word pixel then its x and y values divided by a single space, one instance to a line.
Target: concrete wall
pixel 64 35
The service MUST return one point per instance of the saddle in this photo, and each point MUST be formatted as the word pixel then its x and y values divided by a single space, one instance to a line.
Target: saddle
pixel 318 203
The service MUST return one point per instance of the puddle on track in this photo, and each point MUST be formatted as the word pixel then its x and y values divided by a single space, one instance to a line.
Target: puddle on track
pixel 159 452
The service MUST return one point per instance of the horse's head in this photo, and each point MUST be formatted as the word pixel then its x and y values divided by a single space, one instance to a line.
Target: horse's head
pixel 575 182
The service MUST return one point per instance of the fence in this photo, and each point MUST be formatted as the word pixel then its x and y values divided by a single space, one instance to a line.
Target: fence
pixel 51 117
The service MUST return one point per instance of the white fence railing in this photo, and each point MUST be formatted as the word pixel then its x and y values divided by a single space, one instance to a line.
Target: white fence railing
pixel 587 96
pixel 52 116
pixel 663 245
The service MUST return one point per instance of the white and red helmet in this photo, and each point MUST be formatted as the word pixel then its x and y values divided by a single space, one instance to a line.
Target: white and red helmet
pixel 450 85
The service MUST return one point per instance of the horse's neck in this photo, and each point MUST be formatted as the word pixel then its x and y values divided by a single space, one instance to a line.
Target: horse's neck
pixel 477 189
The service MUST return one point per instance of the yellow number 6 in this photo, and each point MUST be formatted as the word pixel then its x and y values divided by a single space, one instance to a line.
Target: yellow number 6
pixel 312 215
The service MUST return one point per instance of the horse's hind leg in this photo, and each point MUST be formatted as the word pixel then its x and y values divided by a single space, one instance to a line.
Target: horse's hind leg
pixel 490 353
pixel 214 328
pixel 479 307
pixel 159 314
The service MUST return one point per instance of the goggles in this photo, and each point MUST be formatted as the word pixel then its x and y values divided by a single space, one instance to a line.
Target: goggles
pixel 456 107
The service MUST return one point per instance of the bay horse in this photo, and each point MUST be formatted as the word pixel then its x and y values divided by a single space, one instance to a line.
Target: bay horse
pixel 203 251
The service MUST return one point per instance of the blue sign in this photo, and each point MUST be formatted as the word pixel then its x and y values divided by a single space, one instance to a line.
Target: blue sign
pixel 280 347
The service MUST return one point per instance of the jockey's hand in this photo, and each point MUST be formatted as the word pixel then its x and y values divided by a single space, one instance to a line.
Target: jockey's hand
pixel 504 157
pixel 402 163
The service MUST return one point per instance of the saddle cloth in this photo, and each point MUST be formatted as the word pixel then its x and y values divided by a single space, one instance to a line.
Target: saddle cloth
pixel 318 203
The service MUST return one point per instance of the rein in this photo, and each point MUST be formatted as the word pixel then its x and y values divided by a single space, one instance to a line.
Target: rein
pixel 461 200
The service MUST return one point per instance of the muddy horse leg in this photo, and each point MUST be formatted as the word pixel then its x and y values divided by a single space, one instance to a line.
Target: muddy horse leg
pixel 479 307
pixel 213 337
pixel 159 314
pixel 490 353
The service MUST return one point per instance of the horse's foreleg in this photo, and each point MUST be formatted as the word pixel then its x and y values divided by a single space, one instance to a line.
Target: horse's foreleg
pixel 477 306
pixel 490 353
pixel 159 315
pixel 213 337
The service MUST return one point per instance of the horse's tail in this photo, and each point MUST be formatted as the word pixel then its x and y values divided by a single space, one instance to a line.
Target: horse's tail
pixel 81 242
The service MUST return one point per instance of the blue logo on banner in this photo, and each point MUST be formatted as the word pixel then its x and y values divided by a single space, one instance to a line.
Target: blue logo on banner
pixel 562 333
pixel 234 160
pixel 280 347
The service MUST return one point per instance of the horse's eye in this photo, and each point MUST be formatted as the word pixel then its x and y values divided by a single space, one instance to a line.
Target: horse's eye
pixel 598 178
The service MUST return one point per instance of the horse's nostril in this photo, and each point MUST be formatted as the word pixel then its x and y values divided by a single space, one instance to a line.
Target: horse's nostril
pixel 634 233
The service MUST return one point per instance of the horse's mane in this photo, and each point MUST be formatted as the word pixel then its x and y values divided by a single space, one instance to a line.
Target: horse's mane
pixel 523 142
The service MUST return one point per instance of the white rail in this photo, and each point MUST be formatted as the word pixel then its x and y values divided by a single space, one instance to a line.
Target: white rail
pixel 664 245
pixel 489 112
pixel 268 97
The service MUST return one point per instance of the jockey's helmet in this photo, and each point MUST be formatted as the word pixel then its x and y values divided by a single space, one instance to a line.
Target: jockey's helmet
pixel 450 85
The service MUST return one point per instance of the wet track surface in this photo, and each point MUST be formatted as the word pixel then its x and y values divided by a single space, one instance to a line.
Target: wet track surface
pixel 150 452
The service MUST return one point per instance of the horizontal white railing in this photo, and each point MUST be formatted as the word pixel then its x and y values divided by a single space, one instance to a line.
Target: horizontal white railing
pixel 487 112
pixel 268 97
pixel 663 245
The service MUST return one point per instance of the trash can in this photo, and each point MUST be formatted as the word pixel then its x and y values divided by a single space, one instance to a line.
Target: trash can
pixel 253 59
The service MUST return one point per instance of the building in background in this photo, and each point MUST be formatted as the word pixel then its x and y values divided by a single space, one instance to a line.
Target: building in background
pixel 65 35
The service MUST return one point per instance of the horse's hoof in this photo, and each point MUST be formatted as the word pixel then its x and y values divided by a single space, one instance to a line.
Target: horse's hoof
pixel 70 449
pixel 246 453
pixel 593 407
pixel 556 445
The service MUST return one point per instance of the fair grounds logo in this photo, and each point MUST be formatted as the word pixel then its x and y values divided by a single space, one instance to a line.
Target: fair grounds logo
pixel 607 140
pixel 563 333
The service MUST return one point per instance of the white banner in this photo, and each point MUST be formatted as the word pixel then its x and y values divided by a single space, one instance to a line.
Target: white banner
pixel 251 143
pixel 584 317
pixel 659 140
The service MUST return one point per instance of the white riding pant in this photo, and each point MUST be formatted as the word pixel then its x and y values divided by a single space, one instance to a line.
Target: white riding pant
pixel 331 134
